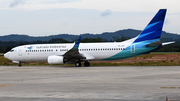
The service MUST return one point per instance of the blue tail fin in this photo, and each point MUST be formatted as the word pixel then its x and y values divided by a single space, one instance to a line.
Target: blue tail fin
pixel 154 28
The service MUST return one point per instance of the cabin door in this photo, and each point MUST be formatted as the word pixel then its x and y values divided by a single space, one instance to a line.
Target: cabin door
pixel 20 52
pixel 133 48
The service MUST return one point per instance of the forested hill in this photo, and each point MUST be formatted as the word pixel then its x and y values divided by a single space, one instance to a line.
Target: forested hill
pixel 107 36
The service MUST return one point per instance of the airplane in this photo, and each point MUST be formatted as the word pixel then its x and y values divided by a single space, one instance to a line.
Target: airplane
pixel 75 53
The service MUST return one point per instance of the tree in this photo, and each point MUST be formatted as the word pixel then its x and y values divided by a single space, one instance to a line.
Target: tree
pixel 123 38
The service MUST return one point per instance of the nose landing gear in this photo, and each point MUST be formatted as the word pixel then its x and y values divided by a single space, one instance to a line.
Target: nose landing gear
pixel 20 64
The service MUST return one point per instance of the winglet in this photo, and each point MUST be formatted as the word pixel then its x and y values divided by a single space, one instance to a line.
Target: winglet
pixel 76 46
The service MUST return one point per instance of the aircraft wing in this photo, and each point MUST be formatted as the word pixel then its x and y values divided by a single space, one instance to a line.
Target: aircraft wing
pixel 74 52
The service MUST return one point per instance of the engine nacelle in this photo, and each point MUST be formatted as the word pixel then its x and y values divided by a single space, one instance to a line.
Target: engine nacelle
pixel 55 60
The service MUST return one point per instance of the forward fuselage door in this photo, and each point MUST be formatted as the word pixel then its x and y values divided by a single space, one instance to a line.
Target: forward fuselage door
pixel 20 52
pixel 133 48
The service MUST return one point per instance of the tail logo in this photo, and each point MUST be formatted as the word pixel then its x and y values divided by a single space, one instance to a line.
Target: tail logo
pixel 154 28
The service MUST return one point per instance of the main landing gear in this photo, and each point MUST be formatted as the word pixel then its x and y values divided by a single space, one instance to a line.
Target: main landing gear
pixel 86 64
pixel 78 64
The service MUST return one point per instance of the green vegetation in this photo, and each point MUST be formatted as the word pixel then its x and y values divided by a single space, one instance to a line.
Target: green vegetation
pixel 169 48
pixel 163 53
pixel 150 63
pixel 146 56
pixel 123 38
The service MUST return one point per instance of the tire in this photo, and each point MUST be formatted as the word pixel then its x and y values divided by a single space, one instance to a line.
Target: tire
pixel 78 64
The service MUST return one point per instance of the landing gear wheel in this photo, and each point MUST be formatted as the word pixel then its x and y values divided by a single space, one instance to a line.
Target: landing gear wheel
pixel 78 64
pixel 86 64
pixel 19 64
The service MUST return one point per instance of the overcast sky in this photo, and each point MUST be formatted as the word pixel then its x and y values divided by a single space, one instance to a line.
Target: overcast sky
pixel 51 17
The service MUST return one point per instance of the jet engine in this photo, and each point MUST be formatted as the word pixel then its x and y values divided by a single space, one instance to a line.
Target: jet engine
pixel 55 60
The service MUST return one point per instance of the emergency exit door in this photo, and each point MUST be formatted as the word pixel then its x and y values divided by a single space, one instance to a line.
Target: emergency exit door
pixel 133 48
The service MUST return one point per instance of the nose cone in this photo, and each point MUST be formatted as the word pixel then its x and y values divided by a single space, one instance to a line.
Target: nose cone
pixel 6 55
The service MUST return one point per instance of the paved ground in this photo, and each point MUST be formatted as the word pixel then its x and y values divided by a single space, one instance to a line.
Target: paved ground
pixel 89 83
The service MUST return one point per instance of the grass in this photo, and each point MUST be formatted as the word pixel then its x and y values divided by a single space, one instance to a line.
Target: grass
pixel 6 62
pixel 150 63
pixel 163 53
pixel 146 56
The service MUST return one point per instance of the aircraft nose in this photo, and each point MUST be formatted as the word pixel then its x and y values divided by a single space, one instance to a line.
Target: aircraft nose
pixel 6 55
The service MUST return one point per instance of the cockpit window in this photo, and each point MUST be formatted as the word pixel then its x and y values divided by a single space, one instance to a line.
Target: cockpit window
pixel 12 50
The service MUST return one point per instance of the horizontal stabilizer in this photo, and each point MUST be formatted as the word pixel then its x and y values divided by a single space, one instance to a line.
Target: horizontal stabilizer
pixel 168 43
pixel 154 44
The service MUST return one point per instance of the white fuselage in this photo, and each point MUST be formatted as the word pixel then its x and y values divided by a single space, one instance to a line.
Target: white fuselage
pixel 40 52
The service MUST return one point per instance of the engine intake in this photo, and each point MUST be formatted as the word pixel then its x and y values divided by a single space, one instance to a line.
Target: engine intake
pixel 55 60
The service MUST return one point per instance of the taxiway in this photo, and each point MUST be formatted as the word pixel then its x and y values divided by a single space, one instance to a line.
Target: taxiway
pixel 124 83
